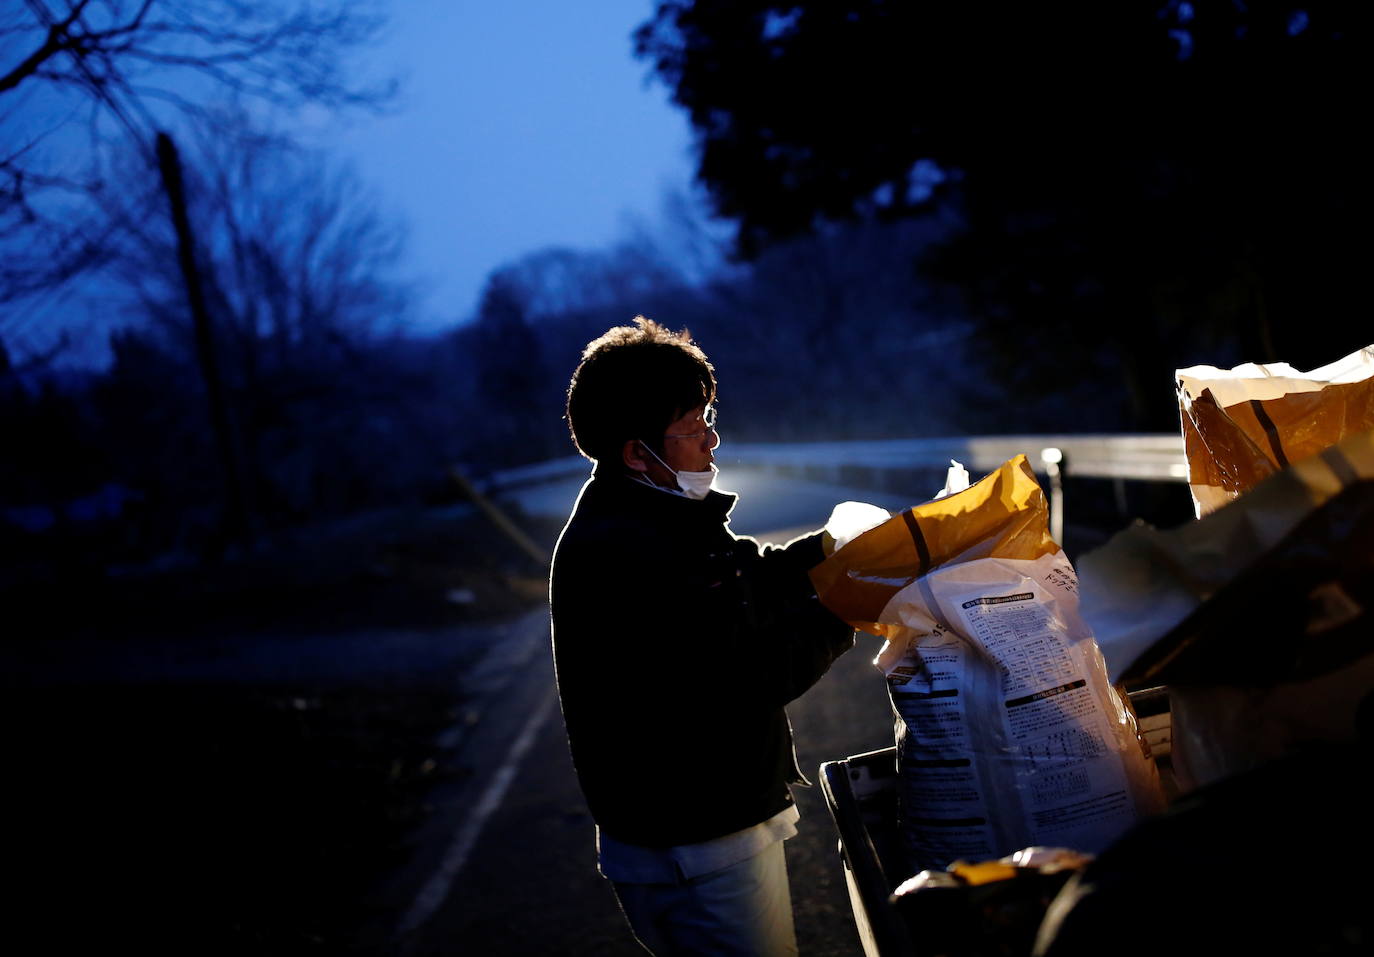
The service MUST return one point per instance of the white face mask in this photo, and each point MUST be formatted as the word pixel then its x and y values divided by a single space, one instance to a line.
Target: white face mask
pixel 694 485
pixel 697 484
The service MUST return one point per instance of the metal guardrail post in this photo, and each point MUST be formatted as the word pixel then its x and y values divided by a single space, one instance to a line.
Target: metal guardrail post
pixel 1052 458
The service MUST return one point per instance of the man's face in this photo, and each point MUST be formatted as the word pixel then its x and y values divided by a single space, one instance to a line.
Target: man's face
pixel 688 442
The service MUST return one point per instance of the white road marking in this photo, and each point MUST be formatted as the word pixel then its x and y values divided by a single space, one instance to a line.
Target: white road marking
pixel 436 889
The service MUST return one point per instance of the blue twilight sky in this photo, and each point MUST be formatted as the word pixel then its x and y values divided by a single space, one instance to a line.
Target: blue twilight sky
pixel 520 125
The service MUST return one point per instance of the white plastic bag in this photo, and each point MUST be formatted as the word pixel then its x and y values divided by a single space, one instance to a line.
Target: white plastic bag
pixel 1009 734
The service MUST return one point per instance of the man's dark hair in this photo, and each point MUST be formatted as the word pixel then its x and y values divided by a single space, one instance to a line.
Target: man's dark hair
pixel 632 383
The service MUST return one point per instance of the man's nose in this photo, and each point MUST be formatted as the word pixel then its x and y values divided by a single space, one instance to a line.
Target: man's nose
pixel 712 438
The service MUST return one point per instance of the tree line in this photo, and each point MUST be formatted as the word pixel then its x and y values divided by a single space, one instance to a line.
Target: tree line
pixel 945 219
pixel 335 410
pixel 1142 184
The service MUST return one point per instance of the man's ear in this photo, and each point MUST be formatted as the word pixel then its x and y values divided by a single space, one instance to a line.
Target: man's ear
pixel 633 457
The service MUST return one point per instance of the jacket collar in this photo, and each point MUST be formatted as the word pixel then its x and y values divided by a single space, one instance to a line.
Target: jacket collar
pixel 620 487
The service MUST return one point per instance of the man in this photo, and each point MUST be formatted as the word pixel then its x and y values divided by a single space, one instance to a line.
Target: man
pixel 677 644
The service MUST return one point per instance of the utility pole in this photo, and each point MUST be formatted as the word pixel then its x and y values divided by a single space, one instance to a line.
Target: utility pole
pixel 235 523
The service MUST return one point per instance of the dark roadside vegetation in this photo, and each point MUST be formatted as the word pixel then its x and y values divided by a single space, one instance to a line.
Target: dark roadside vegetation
pixel 233 758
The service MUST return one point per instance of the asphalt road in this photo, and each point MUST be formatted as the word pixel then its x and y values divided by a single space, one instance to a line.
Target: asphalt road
pixel 508 866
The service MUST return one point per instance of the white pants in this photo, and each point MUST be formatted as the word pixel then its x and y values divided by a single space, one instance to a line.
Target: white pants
pixel 744 910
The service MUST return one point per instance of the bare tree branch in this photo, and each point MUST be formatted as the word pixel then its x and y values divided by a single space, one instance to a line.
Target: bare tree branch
pixel 127 70
pixel 57 40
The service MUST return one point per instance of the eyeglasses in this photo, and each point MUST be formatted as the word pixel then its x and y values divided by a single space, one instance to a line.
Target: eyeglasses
pixel 708 419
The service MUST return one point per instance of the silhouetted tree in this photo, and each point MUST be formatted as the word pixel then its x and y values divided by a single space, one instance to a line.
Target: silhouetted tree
pixel 829 336
pixel 561 280
pixel 300 277
pixel 509 395
pixel 83 82
pixel 1142 184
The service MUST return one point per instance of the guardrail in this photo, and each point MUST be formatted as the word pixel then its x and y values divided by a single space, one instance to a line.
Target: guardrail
pixel 1145 457
pixel 1140 457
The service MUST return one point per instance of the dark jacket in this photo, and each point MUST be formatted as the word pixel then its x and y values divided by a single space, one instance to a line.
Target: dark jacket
pixel 676 645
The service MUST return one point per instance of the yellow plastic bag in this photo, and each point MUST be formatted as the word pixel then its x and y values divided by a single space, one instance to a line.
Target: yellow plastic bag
pixel 1005 514
pixel 1244 424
